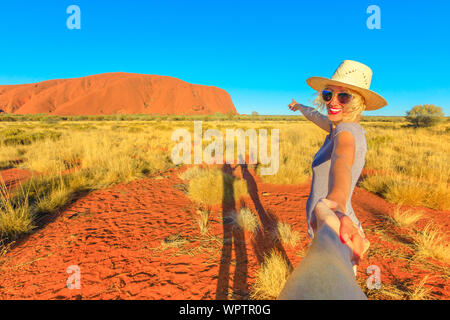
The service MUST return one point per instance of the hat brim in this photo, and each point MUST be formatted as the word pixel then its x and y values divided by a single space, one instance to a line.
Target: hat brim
pixel 372 99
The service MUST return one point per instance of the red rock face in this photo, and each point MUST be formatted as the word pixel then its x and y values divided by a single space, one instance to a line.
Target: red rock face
pixel 115 93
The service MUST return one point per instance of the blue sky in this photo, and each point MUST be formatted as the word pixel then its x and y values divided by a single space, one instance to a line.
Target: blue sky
pixel 261 52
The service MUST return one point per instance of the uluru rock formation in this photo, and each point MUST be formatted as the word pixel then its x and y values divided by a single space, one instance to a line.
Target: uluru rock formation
pixel 115 93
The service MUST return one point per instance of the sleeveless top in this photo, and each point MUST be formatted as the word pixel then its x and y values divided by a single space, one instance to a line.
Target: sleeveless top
pixel 321 182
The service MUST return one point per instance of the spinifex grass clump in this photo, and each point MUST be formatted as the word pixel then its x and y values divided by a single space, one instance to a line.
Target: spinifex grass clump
pixel 247 220
pixel 213 186
pixel 420 292
pixel 16 218
pixel 431 242
pixel 286 235
pixel 405 218
pixel 203 220
pixel 271 277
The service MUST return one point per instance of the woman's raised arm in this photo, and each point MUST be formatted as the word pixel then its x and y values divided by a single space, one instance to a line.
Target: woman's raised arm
pixel 312 115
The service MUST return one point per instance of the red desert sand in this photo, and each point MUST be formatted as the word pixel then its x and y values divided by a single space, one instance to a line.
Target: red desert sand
pixel 116 237
pixel 115 93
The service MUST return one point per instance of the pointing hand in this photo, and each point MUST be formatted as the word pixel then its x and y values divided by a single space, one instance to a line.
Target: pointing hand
pixel 294 106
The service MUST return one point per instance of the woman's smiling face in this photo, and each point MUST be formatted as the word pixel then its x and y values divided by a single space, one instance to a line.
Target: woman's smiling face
pixel 335 109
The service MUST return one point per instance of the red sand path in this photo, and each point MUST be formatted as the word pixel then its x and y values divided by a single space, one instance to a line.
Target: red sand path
pixel 13 177
pixel 115 235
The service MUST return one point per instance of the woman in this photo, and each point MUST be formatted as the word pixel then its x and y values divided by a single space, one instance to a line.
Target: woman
pixel 339 162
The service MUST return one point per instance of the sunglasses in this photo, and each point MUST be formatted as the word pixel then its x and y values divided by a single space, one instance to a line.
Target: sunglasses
pixel 343 97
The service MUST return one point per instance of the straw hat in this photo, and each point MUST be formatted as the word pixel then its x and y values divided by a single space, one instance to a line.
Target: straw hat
pixel 355 76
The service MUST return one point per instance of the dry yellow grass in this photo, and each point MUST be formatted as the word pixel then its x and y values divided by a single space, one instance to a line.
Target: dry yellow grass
pixel 203 220
pixel 212 186
pixel 191 173
pixel 100 157
pixel 271 277
pixel 247 220
pixel 420 292
pixel 405 218
pixel 173 241
pixel 298 144
pixel 60 194
pixel 286 235
pixel 395 292
pixel 16 217
pixel 431 242
pixel 7 155
pixel 411 165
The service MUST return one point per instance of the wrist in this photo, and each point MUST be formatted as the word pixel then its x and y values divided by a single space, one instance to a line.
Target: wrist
pixel 340 214
pixel 339 204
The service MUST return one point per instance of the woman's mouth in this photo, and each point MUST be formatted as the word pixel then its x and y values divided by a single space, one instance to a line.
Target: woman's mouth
pixel 334 110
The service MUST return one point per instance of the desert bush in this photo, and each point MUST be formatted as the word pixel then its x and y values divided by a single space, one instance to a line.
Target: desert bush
pixel 173 241
pixel 405 218
pixel 432 242
pixel 420 292
pixel 286 235
pixel 213 186
pixel 247 220
pixel 16 218
pixel 271 277
pixel 192 172
pixel 7 156
pixel 14 136
pixel 203 220
pixel 135 129
pixel 426 115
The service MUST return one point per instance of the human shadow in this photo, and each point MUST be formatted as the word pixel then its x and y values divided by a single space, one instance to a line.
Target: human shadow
pixel 266 238
pixel 232 235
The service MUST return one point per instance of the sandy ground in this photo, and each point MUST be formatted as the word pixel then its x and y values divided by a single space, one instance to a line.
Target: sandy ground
pixel 123 241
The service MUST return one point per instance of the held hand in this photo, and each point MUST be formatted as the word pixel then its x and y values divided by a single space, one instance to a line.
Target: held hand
pixel 353 238
pixel 294 106
pixel 350 234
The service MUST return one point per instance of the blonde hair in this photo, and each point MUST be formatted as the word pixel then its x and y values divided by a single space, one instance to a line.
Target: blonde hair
pixel 353 110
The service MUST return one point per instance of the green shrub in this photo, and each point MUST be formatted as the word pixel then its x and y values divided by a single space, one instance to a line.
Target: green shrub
pixel 426 115
pixel 13 137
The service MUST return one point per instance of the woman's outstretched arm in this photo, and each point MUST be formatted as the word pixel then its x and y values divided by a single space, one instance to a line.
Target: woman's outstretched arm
pixel 312 115
pixel 341 179
pixel 326 270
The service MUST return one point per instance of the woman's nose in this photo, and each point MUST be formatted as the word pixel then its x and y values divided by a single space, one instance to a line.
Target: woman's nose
pixel 334 101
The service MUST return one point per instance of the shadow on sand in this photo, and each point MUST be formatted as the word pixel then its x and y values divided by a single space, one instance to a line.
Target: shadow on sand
pixel 263 241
